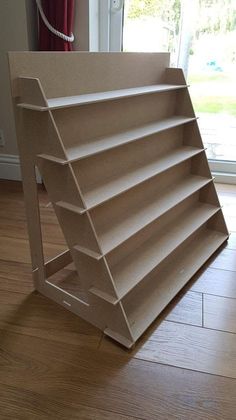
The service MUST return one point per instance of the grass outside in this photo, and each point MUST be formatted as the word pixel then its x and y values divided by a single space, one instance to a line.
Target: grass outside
pixel 213 92
pixel 215 104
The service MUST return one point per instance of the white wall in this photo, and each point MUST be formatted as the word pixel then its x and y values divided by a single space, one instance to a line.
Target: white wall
pixel 81 25
pixel 18 32
pixel 15 35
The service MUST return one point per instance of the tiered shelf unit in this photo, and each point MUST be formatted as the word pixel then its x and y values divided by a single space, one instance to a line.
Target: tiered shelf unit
pixel 117 143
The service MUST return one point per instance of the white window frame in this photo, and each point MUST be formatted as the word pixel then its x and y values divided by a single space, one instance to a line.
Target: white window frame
pixel 105 25
pixel 106 33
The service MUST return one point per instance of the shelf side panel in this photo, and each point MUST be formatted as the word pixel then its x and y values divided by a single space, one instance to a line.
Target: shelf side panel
pixel 59 182
pixel 31 92
pixel 94 275
pixel 175 76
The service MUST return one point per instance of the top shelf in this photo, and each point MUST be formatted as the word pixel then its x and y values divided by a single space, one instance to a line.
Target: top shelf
pixel 70 101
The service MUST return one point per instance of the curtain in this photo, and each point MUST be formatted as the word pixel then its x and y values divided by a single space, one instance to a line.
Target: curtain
pixel 60 14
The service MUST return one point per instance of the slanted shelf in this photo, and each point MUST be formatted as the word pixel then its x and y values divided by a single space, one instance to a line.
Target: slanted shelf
pixel 119 170
pixel 102 144
pixel 85 140
pixel 90 98
pixel 119 219
pixel 125 168
pixel 130 263
pixel 144 303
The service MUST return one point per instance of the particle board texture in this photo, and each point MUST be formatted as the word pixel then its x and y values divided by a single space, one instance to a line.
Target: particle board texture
pixel 128 179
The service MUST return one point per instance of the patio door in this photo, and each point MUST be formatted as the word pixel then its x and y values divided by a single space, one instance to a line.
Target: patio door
pixel 201 37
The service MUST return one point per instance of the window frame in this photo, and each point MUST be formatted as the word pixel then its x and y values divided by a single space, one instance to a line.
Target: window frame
pixel 109 28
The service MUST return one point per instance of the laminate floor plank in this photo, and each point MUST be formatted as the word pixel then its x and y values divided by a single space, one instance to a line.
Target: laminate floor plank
pixel 220 313
pixel 117 383
pixel 16 277
pixel 37 316
pixel 17 250
pixel 22 405
pixel 192 348
pixel 226 260
pixel 216 282
pixel 17 229
pixel 185 308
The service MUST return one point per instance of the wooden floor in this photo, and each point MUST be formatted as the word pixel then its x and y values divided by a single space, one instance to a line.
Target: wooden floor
pixel 54 365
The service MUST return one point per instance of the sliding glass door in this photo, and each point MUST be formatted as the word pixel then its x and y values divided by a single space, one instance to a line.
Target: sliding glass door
pixel 201 37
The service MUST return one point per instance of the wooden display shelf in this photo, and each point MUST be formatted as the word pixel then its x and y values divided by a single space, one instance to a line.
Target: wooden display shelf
pixel 113 187
pixel 102 144
pixel 143 304
pixel 90 98
pixel 121 156
pixel 136 265
pixel 115 232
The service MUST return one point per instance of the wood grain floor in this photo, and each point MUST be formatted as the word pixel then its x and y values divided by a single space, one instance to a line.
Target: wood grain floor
pixel 53 365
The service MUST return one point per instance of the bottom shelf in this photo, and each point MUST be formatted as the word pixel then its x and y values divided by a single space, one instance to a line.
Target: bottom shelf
pixel 67 280
pixel 146 302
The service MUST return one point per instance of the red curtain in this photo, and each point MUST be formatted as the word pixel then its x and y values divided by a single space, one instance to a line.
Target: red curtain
pixel 60 14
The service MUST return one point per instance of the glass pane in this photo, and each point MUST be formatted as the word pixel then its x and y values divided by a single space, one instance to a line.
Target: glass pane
pixel 201 37
pixel 151 26
pixel 212 76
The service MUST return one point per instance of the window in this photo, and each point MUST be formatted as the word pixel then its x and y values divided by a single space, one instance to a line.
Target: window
pixel 200 35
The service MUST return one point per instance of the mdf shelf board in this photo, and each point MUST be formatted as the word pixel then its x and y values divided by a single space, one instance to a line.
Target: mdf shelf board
pixel 120 339
pixel 79 100
pixel 87 251
pixel 106 71
pixel 114 232
pixel 51 158
pixel 95 275
pixel 69 291
pixel 71 207
pixel 218 223
pixel 32 93
pixel 201 167
pixel 60 182
pixel 68 280
pixel 129 271
pixel 184 104
pixel 98 312
pixel 58 263
pixel 175 76
pixel 77 230
pixel 147 301
pixel 44 132
pixel 104 295
pixel 116 186
pixel 115 162
pixel 209 195
pixel 122 159
pixel 121 116
pixel 191 134
pixel 122 217
pixel 102 144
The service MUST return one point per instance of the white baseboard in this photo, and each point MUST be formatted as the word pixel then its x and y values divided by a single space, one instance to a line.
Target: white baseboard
pixel 10 168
